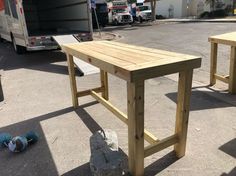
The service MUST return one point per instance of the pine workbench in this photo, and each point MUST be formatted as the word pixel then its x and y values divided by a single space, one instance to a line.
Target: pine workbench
pixel 134 65
pixel 226 39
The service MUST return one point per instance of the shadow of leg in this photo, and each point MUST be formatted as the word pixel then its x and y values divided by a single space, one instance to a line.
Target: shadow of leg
pixel 229 148
pixel 91 124
pixel 161 164
pixel 81 170
pixel 232 173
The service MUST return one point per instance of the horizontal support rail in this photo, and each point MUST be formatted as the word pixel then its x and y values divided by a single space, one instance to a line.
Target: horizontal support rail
pixel 224 79
pixel 162 144
pixel 149 137
pixel 110 107
pixel 88 92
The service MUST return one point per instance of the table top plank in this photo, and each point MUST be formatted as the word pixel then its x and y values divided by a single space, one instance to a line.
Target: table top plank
pixel 227 39
pixel 138 54
pixel 148 51
pixel 109 64
pixel 131 62
pixel 119 54
pixel 91 52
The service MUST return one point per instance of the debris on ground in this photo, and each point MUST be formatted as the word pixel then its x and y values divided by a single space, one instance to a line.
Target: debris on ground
pixel 106 158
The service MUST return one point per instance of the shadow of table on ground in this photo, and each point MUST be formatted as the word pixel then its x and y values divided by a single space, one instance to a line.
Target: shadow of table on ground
pixel 161 164
pixel 45 61
pixel 201 100
pixel 231 173
pixel 229 148
pixel 93 126
pixel 37 159
pixel 80 171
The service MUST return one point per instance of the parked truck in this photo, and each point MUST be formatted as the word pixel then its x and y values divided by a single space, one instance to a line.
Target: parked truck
pixel 118 12
pixel 31 24
pixel 143 13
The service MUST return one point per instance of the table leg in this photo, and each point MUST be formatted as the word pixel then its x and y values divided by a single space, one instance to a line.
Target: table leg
pixel 182 113
pixel 232 74
pixel 104 84
pixel 135 93
pixel 71 70
pixel 213 66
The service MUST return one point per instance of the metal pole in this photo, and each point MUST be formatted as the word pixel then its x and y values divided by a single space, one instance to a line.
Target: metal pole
pixel 99 30
pixel 1 91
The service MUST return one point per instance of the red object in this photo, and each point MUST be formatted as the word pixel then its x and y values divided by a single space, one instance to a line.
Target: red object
pixel 119 7
pixel 2 7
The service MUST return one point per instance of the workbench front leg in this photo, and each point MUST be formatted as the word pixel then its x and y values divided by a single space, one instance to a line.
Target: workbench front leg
pixel 182 113
pixel 104 84
pixel 135 93
pixel 213 66
pixel 73 86
pixel 232 72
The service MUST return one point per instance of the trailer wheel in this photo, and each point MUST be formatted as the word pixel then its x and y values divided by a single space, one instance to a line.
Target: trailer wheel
pixel 18 49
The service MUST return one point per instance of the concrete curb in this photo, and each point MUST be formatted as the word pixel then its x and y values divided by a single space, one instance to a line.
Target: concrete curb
pixel 197 21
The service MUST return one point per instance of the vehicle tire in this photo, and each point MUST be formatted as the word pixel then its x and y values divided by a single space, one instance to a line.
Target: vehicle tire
pixel 140 19
pixel 18 49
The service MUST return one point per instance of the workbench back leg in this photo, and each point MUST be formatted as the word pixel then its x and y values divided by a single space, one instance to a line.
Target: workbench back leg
pixel 232 72
pixel 104 84
pixel 73 86
pixel 213 66
pixel 182 113
pixel 135 104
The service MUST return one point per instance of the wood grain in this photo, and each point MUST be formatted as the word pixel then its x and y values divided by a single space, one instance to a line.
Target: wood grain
pixel 73 86
pixel 130 62
pixel 182 112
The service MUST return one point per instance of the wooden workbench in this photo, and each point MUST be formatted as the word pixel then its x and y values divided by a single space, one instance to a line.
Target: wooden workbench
pixel 226 39
pixel 136 64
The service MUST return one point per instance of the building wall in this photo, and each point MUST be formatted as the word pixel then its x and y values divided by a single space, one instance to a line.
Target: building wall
pixel 197 7
pixel 170 8
pixel 183 8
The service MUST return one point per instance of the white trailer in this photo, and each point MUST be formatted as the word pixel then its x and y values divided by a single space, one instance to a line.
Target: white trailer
pixel 31 24
pixel 118 12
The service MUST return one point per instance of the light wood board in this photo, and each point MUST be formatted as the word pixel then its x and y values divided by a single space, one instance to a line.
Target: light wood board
pixel 131 62
pixel 227 39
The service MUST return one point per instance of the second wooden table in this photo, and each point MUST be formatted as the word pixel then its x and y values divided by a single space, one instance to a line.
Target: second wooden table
pixel 226 39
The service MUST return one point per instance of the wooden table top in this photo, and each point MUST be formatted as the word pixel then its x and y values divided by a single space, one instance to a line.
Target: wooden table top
pixel 227 39
pixel 131 62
